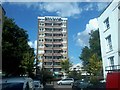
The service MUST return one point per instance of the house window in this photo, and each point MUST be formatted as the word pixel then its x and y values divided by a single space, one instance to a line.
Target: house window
pixel 106 23
pixel 109 43
pixel 111 60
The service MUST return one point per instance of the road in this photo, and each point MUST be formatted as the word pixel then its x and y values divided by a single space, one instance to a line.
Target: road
pixel 57 87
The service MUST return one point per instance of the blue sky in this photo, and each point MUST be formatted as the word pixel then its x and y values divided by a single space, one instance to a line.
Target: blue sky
pixel 82 18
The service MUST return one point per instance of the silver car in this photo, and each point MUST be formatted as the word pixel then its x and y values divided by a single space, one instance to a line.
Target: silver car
pixel 17 83
pixel 66 81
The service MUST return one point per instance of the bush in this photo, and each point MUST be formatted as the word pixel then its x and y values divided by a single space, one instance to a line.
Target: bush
pixel 94 79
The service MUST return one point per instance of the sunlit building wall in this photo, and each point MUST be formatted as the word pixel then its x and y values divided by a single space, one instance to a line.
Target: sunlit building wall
pixel 52 43
pixel 109 27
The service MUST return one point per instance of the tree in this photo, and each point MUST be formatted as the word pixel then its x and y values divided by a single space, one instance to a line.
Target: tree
pixel 65 64
pixel 85 55
pixel 94 65
pixel 15 49
pixel 94 43
pixel 75 74
pixel 26 65
pixel 45 76
pixel 91 56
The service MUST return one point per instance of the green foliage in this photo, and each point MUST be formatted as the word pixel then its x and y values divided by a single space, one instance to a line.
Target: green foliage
pixel 94 43
pixel 65 64
pixel 46 76
pixel 94 80
pixel 85 55
pixel 15 49
pixel 91 56
pixel 94 65
pixel 75 74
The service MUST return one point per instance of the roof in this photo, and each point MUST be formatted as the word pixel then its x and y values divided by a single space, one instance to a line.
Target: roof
pixel 106 8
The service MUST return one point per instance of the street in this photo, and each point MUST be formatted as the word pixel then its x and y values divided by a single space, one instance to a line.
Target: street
pixel 57 87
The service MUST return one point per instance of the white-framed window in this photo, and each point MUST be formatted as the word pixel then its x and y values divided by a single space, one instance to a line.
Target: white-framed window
pixel 106 23
pixel 109 43
pixel 111 60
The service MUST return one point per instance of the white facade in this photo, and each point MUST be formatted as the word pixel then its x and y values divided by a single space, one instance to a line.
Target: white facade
pixel 109 27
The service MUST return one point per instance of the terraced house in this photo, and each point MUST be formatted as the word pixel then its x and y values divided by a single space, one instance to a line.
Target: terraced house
pixel 109 27
pixel 52 43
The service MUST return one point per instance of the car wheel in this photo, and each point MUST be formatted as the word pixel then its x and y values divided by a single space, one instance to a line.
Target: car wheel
pixel 71 83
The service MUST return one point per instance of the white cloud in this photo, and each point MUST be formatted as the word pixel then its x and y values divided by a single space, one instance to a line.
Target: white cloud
pixel 30 44
pixel 88 7
pixel 33 45
pixel 99 6
pixel 102 6
pixel 62 9
pixel 82 38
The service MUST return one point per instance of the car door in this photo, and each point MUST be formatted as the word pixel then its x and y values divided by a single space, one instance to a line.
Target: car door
pixel 67 81
pixel 63 81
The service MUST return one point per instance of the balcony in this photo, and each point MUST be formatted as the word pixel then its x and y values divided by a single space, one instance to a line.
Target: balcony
pixel 57 66
pixel 48 31
pixel 57 48
pixel 57 32
pixel 57 54
pixel 46 36
pixel 52 21
pixel 48 48
pixel 48 54
pixel 47 66
pixel 57 37
pixel 57 43
pixel 51 66
pixel 51 60
pixel 112 68
pixel 52 54
pixel 48 42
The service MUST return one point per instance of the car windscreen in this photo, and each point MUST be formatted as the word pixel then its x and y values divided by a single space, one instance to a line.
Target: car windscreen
pixel 12 86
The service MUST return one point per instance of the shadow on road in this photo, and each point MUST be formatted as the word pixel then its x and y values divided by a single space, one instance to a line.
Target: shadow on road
pixel 48 87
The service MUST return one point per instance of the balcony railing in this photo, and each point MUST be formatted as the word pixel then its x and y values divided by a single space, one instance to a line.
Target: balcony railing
pixel 47 31
pixel 57 43
pixel 51 60
pixel 57 48
pixel 48 48
pixel 112 68
pixel 48 42
pixel 48 54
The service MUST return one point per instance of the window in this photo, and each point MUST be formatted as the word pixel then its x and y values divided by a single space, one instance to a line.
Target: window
pixel 41 29
pixel 111 60
pixel 109 43
pixel 41 24
pixel 106 23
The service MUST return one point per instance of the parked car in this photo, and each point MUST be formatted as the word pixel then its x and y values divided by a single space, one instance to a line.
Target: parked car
pixel 81 84
pixel 37 85
pixel 17 83
pixel 100 85
pixel 66 81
